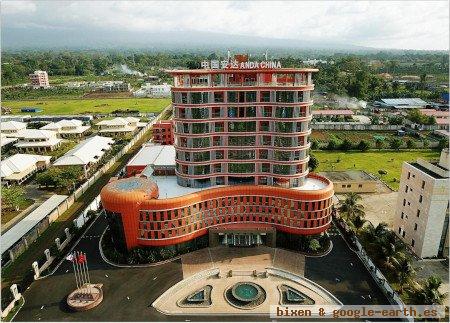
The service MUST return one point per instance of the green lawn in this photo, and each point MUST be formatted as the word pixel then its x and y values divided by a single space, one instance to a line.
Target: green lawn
pixel 371 162
pixel 85 106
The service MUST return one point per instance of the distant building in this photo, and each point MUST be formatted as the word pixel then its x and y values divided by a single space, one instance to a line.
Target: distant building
pixel 86 154
pixel 351 181
pixel 19 167
pixel 154 91
pixel 12 128
pixel 6 142
pixel 422 212
pixel 119 126
pixel 39 79
pixel 163 132
pixel 442 117
pixel 37 141
pixel 115 86
pixel 403 103
pixel 67 128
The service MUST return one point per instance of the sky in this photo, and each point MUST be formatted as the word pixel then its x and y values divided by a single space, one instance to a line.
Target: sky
pixel 380 24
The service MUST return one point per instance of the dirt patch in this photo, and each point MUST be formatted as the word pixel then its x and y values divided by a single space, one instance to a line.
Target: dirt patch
pixel 380 207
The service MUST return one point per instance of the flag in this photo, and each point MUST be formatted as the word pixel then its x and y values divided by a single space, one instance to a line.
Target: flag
pixel 81 258
pixel 70 257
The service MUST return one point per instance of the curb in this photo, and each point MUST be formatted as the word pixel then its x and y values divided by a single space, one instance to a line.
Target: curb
pixel 109 262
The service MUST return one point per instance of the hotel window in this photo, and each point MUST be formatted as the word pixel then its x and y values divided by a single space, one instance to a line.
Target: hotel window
pixel 359 185
pixel 403 214
pixel 399 230
pixel 412 243
pixel 265 96
pixel 404 202
pixel 418 213
pixel 423 184
pixel 409 175
pixel 218 97
pixel 232 96
pixel 406 189
pixel 420 198
pixel 415 226
pixel 184 97
pixel 403 234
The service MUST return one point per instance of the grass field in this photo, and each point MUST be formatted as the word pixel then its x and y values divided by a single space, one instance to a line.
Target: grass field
pixel 85 106
pixel 371 162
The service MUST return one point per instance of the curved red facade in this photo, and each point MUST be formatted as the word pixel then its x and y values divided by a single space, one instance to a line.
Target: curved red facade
pixel 149 221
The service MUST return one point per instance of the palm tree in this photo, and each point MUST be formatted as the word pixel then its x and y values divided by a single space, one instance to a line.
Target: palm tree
pixel 392 252
pixel 358 223
pixel 405 273
pixel 351 208
pixel 429 294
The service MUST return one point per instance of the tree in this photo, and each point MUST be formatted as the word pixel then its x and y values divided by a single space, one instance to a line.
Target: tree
pixel 375 120
pixel 443 143
pixel 65 177
pixel 363 145
pixel 13 197
pixel 314 245
pixel 358 222
pixel 351 208
pixel 332 145
pixel 410 144
pixel 429 294
pixel 382 172
pixel 314 145
pixel 313 163
pixel 405 273
pixel 395 120
pixel 346 145
pixel 378 143
pixel 395 144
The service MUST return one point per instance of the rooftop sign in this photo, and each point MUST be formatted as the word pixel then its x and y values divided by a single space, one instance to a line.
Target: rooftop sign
pixel 215 64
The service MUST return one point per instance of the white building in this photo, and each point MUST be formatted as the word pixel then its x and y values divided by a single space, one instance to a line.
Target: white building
pixel 39 79
pixel 18 168
pixel 154 91
pixel 12 128
pixel 115 86
pixel 119 126
pixel 5 141
pixel 86 154
pixel 36 140
pixel 67 128
pixel 422 213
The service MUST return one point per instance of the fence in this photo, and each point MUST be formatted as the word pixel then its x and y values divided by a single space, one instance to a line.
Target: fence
pixel 16 297
pixel 31 236
pixel 362 126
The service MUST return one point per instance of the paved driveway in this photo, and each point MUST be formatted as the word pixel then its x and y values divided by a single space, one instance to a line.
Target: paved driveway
pixel 129 292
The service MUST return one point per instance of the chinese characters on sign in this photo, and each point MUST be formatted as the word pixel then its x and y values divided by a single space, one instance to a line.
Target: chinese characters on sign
pixel 215 64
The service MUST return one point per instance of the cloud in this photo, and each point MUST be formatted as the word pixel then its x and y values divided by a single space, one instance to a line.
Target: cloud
pixel 393 24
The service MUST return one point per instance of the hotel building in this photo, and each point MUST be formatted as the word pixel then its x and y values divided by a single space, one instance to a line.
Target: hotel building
pixel 241 163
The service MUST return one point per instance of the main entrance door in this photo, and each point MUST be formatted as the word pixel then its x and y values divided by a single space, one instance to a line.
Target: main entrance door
pixel 241 239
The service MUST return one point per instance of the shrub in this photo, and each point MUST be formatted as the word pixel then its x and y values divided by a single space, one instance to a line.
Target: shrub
pixel 346 145
pixel 332 145
pixel 363 145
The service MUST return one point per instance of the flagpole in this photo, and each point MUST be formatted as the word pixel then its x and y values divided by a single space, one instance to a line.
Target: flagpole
pixel 83 270
pixel 79 271
pixel 87 272
pixel 74 270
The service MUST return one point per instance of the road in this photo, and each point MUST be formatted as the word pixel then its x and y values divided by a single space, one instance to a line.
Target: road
pixel 129 292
